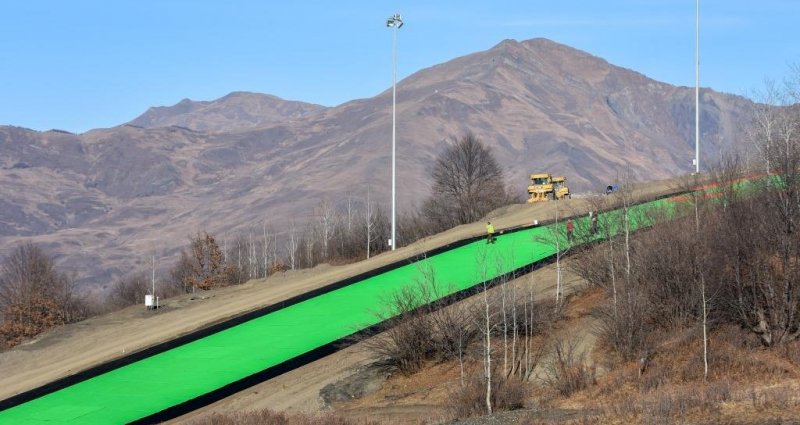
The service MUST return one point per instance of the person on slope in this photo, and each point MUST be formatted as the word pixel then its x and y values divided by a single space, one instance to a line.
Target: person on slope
pixel 489 232
pixel 570 230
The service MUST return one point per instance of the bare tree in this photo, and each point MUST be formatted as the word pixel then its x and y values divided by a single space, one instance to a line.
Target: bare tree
pixel 251 257
pixel 129 290
pixel 369 221
pixel 699 261
pixel 326 214
pixel 467 184
pixel 34 296
pixel 487 348
pixel 487 326
pixel 269 249
pixel 765 265
pixel 349 212
pixel 309 238
pixel 555 236
pixel 292 245
pixel 206 263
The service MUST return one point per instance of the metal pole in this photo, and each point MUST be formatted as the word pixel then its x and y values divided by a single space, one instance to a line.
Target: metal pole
pixel 395 22
pixel 394 134
pixel 154 277
pixel 697 90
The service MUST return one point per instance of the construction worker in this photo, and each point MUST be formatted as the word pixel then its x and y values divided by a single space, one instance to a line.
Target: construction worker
pixel 570 229
pixel 489 232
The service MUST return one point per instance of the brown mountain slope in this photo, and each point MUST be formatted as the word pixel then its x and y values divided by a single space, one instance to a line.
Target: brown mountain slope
pixel 106 199
pixel 236 111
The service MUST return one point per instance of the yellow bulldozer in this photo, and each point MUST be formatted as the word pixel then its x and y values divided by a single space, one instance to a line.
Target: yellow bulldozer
pixel 545 187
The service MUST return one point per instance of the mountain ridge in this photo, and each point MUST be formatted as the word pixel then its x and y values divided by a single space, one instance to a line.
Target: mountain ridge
pixel 234 111
pixel 101 199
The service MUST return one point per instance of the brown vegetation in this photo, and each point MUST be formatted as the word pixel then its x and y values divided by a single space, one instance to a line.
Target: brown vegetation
pixel 469 399
pixel 34 296
pixel 268 417
pixel 420 331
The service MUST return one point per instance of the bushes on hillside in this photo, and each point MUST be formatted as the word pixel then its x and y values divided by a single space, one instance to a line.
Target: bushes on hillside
pixel 34 295
pixel 733 258
pixel 269 417
pixel 469 400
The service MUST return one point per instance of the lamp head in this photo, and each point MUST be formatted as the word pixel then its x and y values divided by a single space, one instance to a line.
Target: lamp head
pixel 395 21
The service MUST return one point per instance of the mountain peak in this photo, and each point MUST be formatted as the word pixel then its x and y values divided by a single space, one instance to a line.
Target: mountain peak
pixel 539 104
pixel 238 110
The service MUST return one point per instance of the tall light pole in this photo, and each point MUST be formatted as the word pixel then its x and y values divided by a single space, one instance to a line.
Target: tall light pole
pixel 395 22
pixel 697 89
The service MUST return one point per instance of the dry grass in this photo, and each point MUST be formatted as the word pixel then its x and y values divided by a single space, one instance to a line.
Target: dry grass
pixel 470 399
pixel 268 417
pixel 742 377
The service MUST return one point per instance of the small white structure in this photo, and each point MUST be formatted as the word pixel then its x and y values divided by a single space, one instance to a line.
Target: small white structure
pixel 151 302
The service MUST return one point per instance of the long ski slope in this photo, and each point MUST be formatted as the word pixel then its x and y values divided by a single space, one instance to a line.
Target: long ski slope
pixel 232 356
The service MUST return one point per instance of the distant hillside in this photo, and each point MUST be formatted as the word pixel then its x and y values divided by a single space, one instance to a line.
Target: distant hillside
pixel 236 111
pixel 104 199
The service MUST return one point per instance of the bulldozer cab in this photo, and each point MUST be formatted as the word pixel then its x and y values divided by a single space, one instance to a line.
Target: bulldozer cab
pixel 540 188
pixel 539 179
pixel 560 189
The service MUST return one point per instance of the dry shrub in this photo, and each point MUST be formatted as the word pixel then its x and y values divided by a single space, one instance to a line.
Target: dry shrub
pixel 469 399
pixel 774 398
pixel 278 267
pixel 567 372
pixel 417 330
pixel 671 403
pixel 702 403
pixel 733 362
pixel 406 345
pixel 268 417
pixel 35 296
pixel 731 357
pixel 792 352
pixel 207 263
pixel 24 322
pixel 626 329
pixel 129 290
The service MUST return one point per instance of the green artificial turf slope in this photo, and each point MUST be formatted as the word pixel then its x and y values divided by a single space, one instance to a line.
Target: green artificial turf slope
pixel 188 371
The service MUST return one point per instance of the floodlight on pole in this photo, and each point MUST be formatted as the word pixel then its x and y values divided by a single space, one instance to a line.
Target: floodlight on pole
pixel 394 22
pixel 697 89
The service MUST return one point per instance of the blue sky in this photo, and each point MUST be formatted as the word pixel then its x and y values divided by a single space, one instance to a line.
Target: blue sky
pixel 82 64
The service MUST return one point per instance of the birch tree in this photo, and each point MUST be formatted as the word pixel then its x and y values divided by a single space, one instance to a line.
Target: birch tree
pixel 292 244
pixel 326 215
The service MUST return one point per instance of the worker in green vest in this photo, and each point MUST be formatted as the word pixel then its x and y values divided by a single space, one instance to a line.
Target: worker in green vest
pixel 489 232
